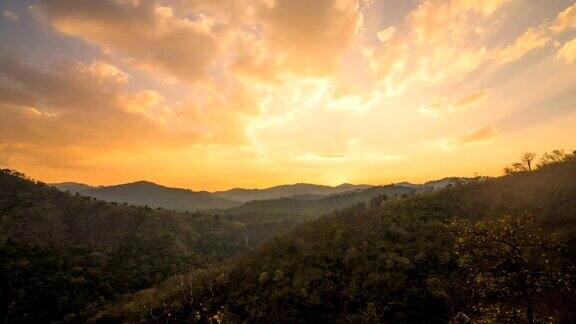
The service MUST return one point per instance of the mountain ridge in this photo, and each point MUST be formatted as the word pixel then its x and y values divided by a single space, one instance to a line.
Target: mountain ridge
pixel 144 192
pixel 154 195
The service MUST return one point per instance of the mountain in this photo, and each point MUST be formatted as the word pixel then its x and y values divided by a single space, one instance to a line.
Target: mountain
pixel 154 195
pixel 408 184
pixel 317 205
pixel 288 199
pixel 446 182
pixel 63 256
pixel 73 187
pixel 411 260
pixel 283 191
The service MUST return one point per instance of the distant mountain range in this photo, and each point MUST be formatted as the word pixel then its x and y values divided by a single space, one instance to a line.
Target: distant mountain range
pixel 155 195
pixel 317 205
pixel 151 194
pixel 284 191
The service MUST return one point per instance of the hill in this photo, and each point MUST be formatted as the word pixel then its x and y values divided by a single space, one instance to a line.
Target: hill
pixel 64 255
pixel 320 205
pixel 284 191
pixel 73 187
pixel 285 199
pixel 148 193
pixel 399 262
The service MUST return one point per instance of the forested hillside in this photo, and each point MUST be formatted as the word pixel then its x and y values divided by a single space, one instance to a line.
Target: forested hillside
pixel 63 255
pixel 314 205
pixel 500 250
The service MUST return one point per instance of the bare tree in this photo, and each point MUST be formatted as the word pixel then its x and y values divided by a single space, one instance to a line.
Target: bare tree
pixel 527 159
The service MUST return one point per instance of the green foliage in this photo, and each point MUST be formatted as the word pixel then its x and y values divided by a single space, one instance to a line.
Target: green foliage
pixel 426 258
pixel 393 262
pixel 509 265
pixel 64 255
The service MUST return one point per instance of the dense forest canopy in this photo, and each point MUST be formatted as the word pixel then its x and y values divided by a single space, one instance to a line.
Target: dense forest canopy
pixel 488 250
pixel 501 250
pixel 66 255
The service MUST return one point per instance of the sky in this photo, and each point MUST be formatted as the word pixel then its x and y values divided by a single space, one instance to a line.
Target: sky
pixel 215 94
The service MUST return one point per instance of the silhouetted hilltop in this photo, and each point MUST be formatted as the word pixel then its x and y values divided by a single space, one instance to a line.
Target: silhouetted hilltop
pixel 73 187
pixel 154 195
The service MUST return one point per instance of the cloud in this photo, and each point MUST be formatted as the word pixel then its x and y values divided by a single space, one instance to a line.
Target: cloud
pixel 17 97
pixel 533 38
pixel 258 39
pixel 75 107
pixel 10 15
pixel 565 20
pixel 147 33
pixel 107 71
pixel 307 38
pixel 480 136
pixel 72 104
pixel 322 157
pixel 446 41
pixel 437 40
pixel 448 105
pixel 385 34
pixel 567 53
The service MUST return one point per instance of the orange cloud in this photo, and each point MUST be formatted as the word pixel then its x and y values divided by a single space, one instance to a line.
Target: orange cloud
pixel 146 32
pixel 84 106
pixel 565 20
pixel 480 136
pixel 533 38
pixel 73 104
pixel 301 37
pixel 438 40
pixel 385 34
pixel 567 52
pixel 447 105
pixel 446 40
pixel 477 137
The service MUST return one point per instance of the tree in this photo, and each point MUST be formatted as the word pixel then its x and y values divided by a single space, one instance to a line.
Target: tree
pixel 524 165
pixel 527 159
pixel 508 264
pixel 555 156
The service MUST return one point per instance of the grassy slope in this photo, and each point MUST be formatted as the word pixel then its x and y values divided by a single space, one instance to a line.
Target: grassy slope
pixel 389 263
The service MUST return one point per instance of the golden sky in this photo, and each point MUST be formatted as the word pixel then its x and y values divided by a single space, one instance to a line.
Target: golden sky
pixel 214 94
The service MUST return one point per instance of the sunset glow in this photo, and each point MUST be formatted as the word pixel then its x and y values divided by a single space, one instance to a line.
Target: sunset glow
pixel 216 94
